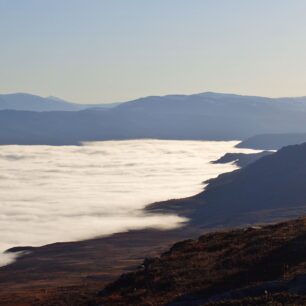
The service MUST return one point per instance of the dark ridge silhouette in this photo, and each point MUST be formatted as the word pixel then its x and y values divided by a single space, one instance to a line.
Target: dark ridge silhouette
pixel 241 159
pixel 20 249
pixel 207 116
pixel 272 141
pixel 271 187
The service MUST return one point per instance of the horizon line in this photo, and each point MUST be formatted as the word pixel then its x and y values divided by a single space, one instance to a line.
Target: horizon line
pixel 151 96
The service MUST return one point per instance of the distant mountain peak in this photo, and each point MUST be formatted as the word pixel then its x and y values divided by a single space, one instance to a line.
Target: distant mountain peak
pixel 55 99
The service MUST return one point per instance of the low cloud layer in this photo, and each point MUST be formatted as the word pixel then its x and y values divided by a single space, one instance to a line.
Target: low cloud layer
pixel 52 194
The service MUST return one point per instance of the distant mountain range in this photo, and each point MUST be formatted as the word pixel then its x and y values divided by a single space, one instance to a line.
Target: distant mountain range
pixel 271 188
pixel 27 102
pixel 206 116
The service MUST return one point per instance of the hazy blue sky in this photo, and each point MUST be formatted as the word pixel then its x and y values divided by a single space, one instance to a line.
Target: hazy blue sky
pixel 111 50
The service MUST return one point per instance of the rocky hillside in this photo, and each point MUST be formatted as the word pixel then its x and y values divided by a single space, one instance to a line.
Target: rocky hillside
pixel 250 266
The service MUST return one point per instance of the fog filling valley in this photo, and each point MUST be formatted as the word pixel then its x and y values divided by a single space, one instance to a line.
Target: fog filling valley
pixel 55 194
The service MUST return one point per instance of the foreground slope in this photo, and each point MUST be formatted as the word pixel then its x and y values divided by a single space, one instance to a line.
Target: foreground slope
pixel 250 266
pixel 71 273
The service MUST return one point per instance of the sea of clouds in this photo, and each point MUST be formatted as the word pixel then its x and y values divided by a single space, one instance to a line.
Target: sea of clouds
pixel 52 194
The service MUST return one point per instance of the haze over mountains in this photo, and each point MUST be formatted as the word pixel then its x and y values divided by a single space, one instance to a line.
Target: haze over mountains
pixel 272 141
pixel 208 116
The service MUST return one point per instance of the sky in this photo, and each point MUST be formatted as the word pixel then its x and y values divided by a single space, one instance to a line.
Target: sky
pixel 101 51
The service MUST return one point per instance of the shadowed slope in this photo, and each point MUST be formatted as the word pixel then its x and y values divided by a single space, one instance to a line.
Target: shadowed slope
pixel 272 187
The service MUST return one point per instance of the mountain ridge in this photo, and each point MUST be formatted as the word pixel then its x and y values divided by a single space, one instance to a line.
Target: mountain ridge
pixel 206 116
pixel 29 102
